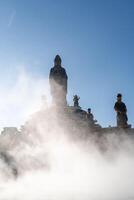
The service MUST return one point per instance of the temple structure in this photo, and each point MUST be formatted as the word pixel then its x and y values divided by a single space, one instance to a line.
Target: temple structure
pixel 77 123
pixel 75 115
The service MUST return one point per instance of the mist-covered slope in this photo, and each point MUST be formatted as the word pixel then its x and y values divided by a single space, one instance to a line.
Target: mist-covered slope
pixel 55 157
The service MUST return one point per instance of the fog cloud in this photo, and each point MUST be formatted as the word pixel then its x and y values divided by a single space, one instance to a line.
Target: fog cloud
pixel 53 159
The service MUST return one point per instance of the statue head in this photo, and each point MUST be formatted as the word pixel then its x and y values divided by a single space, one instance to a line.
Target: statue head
pixel 89 110
pixel 57 60
pixel 119 97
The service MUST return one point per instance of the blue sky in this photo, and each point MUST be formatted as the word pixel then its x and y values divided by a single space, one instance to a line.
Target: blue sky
pixel 95 39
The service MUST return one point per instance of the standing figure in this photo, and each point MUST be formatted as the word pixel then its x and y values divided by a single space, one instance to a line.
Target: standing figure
pixel 90 116
pixel 121 110
pixel 58 82
pixel 76 101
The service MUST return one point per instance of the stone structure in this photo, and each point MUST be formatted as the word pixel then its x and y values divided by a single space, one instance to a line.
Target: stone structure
pixel 9 130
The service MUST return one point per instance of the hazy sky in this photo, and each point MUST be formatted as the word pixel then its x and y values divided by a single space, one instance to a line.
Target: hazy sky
pixel 95 39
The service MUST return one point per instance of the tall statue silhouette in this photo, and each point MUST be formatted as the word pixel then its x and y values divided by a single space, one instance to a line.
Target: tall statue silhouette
pixel 58 82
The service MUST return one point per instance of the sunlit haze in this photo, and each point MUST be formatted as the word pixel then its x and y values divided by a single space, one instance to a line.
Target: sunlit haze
pixel 57 151
pixel 94 38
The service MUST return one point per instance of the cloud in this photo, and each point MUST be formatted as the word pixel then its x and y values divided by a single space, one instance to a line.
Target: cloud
pixel 11 19
pixel 53 159
pixel 53 165
pixel 21 99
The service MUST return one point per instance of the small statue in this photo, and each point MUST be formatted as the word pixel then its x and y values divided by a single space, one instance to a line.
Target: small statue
pixel 121 111
pixel 90 115
pixel 76 101
pixel 58 82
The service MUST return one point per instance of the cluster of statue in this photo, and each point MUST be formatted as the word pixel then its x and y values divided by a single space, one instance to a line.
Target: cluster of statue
pixel 58 85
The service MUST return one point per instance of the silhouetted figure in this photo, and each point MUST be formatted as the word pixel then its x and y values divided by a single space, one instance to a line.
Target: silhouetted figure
pixel 121 110
pixel 76 101
pixel 90 115
pixel 58 82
